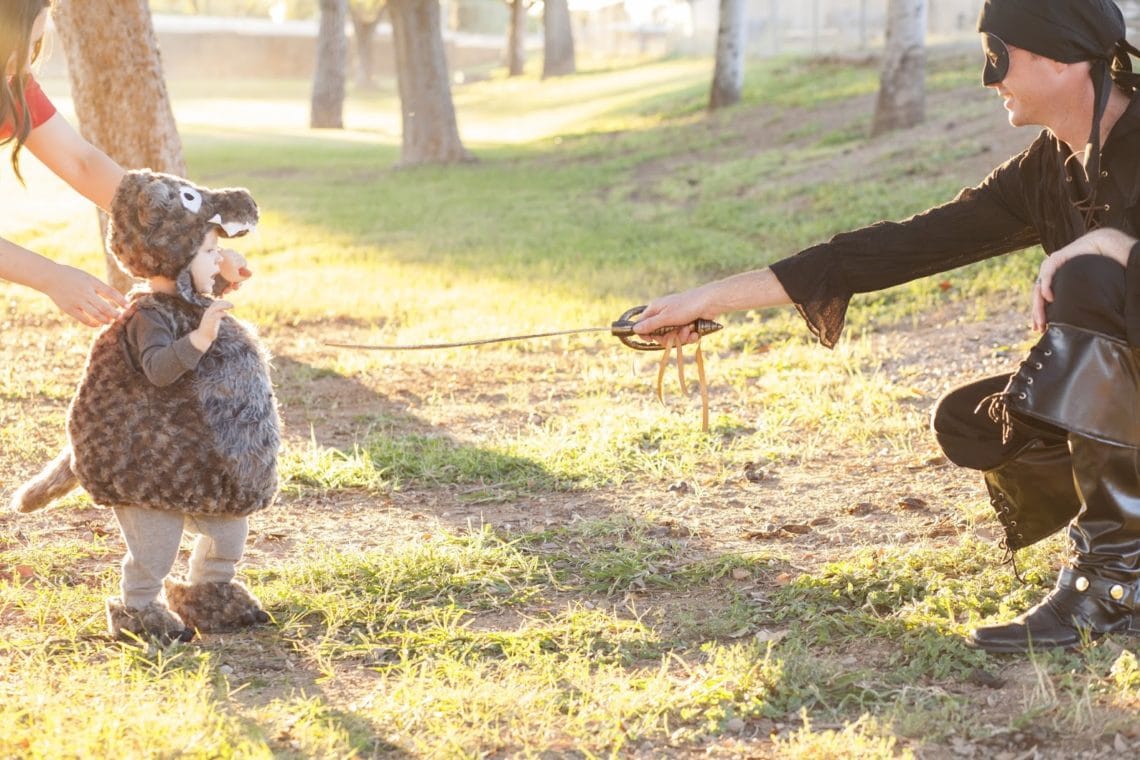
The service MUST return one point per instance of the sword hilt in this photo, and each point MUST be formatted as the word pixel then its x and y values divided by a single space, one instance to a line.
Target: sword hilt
pixel 622 329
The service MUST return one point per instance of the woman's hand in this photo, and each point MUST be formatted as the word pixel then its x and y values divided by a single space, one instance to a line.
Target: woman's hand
pixel 1105 241
pixel 83 297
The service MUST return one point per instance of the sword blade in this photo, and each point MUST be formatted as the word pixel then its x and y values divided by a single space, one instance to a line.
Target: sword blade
pixel 462 343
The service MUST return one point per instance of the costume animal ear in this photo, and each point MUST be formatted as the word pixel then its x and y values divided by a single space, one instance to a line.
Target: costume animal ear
pixel 154 202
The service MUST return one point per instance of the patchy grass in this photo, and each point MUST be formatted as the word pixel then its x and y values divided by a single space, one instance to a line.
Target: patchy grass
pixel 516 550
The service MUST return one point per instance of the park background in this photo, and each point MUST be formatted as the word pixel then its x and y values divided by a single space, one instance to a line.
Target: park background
pixel 517 551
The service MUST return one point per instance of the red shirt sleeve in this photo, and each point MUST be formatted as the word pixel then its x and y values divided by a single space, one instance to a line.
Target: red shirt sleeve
pixel 39 108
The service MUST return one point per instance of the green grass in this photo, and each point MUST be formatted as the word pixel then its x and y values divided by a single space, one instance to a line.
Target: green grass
pixel 647 625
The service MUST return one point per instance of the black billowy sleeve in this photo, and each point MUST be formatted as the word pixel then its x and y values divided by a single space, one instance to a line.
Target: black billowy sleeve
pixel 984 221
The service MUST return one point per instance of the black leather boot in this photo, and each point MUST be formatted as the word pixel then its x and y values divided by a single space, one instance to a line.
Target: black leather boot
pixel 1033 493
pixel 1099 592
pixel 1085 382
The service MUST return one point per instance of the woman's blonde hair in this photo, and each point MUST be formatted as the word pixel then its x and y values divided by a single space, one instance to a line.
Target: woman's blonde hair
pixel 17 17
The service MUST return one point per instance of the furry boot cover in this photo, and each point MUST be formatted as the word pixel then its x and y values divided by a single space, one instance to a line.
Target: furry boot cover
pixel 214 607
pixel 154 622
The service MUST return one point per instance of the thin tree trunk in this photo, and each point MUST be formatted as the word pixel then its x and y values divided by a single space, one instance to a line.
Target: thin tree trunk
pixel 558 43
pixel 902 86
pixel 118 89
pixel 728 73
pixel 327 106
pixel 430 131
pixel 516 38
pixel 363 34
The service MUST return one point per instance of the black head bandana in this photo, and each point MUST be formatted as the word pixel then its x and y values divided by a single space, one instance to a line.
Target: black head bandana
pixel 1068 31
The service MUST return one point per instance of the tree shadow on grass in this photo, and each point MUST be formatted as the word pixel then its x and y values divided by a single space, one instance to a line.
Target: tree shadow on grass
pixel 354 452
pixel 606 579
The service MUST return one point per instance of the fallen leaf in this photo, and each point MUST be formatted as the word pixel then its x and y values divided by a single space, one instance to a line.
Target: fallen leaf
pixel 764 533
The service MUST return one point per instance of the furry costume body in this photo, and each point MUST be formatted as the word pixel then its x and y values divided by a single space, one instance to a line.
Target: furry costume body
pixel 189 448
pixel 207 443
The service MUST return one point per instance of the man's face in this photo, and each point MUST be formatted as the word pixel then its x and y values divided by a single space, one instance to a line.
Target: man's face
pixel 1029 86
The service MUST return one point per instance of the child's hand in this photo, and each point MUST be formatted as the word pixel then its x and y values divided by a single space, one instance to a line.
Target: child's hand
pixel 234 268
pixel 207 331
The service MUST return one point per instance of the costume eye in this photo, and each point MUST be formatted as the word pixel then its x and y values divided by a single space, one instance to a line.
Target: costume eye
pixel 191 199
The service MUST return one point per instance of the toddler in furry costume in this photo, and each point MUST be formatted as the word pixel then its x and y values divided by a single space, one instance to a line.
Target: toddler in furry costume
pixel 175 423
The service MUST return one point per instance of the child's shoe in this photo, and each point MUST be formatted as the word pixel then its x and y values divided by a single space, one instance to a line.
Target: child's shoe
pixel 154 622
pixel 214 607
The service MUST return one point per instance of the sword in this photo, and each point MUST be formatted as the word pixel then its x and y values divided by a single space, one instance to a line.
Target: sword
pixel 622 329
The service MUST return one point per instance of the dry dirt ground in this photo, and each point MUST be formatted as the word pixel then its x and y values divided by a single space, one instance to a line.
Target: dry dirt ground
pixel 854 498
pixel 814 512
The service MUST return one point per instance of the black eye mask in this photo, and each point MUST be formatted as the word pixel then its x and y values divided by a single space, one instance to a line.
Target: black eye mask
pixel 1067 31
pixel 997 59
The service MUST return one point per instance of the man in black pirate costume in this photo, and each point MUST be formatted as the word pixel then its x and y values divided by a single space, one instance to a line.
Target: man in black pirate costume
pixel 1059 441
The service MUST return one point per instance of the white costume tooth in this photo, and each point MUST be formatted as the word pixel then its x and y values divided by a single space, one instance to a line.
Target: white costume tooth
pixel 232 229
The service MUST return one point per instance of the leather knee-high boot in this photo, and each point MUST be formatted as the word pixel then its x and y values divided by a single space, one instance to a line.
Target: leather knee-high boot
pixel 1074 378
pixel 1033 493
pixel 1097 592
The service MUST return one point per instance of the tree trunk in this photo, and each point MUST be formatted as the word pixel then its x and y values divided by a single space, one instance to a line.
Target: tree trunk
pixel 516 38
pixel 902 87
pixel 728 73
pixel 327 106
pixel 363 32
pixel 118 89
pixel 558 43
pixel 430 132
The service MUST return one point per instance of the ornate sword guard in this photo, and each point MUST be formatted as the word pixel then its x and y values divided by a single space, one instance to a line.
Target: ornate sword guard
pixel 623 330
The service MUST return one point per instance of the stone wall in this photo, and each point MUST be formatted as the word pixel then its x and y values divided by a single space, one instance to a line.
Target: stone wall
pixel 209 48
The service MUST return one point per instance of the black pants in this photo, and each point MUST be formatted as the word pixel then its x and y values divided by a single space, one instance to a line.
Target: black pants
pixel 1088 292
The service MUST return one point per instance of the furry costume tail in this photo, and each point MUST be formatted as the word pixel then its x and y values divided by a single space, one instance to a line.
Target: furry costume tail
pixel 54 481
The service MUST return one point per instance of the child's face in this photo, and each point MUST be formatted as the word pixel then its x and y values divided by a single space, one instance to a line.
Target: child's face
pixel 205 265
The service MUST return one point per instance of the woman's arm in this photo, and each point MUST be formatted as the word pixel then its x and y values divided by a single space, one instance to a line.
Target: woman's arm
pixel 96 177
pixel 75 292
pixel 88 170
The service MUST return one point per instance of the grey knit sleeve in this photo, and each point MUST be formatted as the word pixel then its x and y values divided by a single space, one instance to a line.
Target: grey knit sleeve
pixel 162 356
